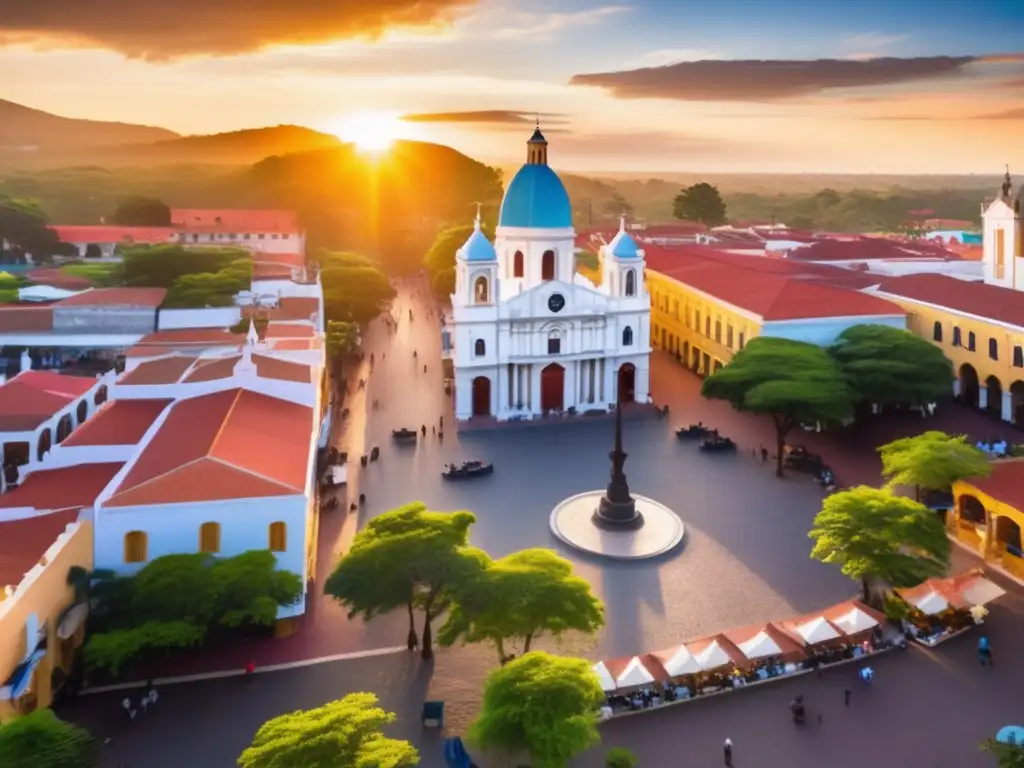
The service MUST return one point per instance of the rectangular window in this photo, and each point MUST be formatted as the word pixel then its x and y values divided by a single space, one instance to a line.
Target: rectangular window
pixel 742 340
pixel 1000 254
pixel 728 336
pixel 554 346
pixel 278 535
pixel 136 547
pixel 1018 357
pixel 971 341
pixel 993 349
pixel 209 538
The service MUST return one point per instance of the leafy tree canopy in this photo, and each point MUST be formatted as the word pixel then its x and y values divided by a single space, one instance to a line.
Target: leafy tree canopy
pixel 887 365
pixel 355 288
pixel 440 259
pixel 791 381
pixel 1006 755
pixel 873 535
pixel 521 597
pixel 159 266
pixel 345 733
pixel 24 229
pixel 408 556
pixel 700 202
pixel 342 338
pixel 542 705
pixel 932 460
pixel 41 740
pixel 140 211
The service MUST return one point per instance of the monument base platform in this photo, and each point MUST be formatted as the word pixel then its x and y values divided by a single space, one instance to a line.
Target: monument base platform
pixel 660 531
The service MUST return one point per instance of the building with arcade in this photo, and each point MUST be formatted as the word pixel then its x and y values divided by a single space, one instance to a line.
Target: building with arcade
pixel 530 336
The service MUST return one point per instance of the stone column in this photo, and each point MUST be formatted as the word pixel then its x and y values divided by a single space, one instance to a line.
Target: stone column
pixel 1007 411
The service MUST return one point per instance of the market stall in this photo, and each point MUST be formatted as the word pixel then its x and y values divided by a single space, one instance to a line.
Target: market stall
pixel 940 609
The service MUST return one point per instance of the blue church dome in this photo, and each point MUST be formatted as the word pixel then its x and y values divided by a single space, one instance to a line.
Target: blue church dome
pixel 536 198
pixel 623 246
pixel 478 247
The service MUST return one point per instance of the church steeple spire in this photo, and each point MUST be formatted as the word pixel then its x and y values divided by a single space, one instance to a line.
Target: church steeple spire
pixel 537 147
pixel 1007 183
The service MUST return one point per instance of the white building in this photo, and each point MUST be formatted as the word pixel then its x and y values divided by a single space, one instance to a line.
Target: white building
pixel 530 336
pixel 1003 233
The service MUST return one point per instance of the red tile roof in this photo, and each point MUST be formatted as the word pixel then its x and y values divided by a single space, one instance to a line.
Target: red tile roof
pixel 1005 484
pixel 227 445
pixel 116 297
pixel 754 283
pixel 72 487
pixel 104 234
pixel 23 542
pixel 32 397
pixel 1004 305
pixel 199 336
pixel 869 249
pixel 163 370
pixel 293 345
pixel 266 368
pixel 295 308
pixel 228 220
pixel 288 331
pixel 25 319
pixel 118 422
pixel 261 271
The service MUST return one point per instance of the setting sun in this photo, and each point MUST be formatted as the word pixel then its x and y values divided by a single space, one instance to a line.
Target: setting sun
pixel 371 131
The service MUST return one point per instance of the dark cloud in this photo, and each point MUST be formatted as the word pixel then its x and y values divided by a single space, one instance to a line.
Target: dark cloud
pixel 766 80
pixel 157 29
pixel 486 117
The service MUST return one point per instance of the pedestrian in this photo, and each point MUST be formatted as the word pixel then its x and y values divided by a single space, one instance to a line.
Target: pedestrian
pixel 764 454
pixel 985 652
pixel 867 674
pixel 250 668
pixel 846 697
pixel 144 703
pixel 727 752
pixel 126 705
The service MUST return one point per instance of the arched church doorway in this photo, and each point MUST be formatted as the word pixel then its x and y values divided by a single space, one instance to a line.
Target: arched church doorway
pixel 969 385
pixel 481 396
pixel 627 383
pixel 994 395
pixel 552 388
pixel 1017 393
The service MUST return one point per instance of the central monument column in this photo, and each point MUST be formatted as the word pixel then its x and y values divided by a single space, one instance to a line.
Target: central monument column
pixel 617 508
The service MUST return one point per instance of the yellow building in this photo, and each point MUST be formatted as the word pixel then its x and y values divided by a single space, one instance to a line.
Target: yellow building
pixel 41 538
pixel 988 515
pixel 979 327
pixel 706 305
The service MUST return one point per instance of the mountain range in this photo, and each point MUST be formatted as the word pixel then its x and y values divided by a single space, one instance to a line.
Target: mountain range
pixel 31 138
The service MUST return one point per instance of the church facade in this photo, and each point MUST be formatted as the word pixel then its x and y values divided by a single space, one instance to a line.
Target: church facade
pixel 530 336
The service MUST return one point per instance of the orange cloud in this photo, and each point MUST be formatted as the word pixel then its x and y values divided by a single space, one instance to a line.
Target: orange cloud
pixel 485 117
pixel 767 80
pixel 160 30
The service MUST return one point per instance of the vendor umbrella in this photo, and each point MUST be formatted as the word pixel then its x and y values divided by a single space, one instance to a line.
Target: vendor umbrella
pixel 931 603
pixel 679 662
pixel 634 674
pixel 817 631
pixel 760 646
pixel 603 675
pixel 855 621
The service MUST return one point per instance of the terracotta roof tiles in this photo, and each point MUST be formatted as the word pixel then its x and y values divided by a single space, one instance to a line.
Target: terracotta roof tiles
pixel 295 308
pixel 32 397
pixel 64 488
pixel 163 370
pixel 24 541
pixel 1005 484
pixel 277 330
pixel 296 260
pixel 231 220
pixel 227 445
pixel 118 422
pixel 263 271
pixel 26 319
pixel 116 297
pixel 104 234
pixel 1004 305
pixel 266 368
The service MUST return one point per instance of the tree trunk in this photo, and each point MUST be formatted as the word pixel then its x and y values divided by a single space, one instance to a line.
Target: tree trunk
pixel 412 641
pixel 502 656
pixel 427 650
pixel 526 643
pixel 865 591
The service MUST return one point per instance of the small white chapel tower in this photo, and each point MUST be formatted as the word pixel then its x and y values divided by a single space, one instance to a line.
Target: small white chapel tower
pixel 1003 258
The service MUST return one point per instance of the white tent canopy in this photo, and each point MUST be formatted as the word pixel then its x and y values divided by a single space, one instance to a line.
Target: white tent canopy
pixel 634 674
pixel 931 603
pixel 712 657
pixel 760 646
pixel 855 621
pixel 682 662
pixel 607 681
pixel 817 631
pixel 981 591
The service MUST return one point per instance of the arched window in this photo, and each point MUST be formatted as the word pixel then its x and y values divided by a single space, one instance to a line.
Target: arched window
pixel 82 412
pixel 136 547
pixel 631 282
pixel 547 266
pixel 45 443
pixel 972 341
pixel 517 264
pixel 554 343
pixel 627 337
pixel 1018 357
pixel 278 535
pixel 993 349
pixel 209 538
pixel 957 338
pixel 479 348
pixel 64 427
pixel 480 294
pixel 937 331
pixel 101 396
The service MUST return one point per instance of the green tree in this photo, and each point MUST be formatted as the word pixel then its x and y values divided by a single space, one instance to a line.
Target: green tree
pixel 342 339
pixel 542 705
pixel 932 460
pixel 159 266
pixel 440 258
pixel 1006 755
pixel 891 366
pixel 114 651
pixel 249 589
pixel 700 202
pixel 407 557
pixel 354 293
pixel 619 757
pixel 140 211
pixel 876 536
pixel 521 597
pixel 41 740
pixel 24 230
pixel 791 381
pixel 345 733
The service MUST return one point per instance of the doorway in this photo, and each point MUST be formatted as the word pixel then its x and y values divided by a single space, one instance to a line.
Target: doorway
pixel 552 388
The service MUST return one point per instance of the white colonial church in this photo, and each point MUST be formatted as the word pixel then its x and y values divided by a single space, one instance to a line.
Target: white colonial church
pixel 532 337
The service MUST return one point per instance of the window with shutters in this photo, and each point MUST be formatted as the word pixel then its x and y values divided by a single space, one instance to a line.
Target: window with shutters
pixel 278 537
pixel 136 547
pixel 209 538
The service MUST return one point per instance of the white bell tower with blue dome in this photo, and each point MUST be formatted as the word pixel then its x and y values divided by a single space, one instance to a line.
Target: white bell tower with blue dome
pixel 531 338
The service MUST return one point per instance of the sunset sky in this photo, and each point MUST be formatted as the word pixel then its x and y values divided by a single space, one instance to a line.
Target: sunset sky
pixel 865 86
